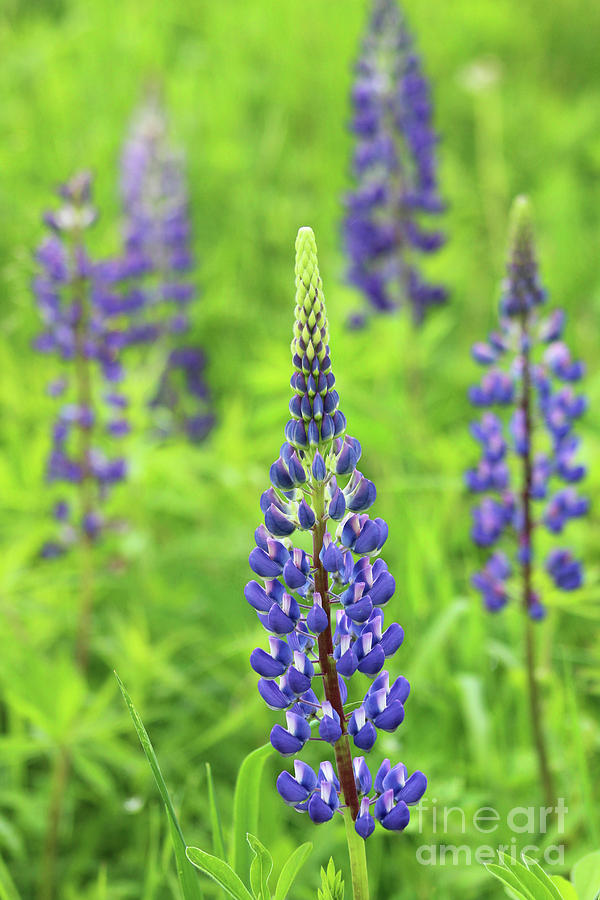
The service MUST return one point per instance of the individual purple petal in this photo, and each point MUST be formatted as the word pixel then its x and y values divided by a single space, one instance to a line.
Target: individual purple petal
pixel 265 665
pixel 272 695
pixel 306 516
pixel 263 565
pixel 364 823
pixel 329 727
pixel 392 639
pixel 317 619
pixel 292 792
pixel 391 717
pixel 257 597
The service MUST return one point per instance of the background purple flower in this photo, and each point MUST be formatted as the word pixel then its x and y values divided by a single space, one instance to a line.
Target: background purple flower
pixel 78 330
pixel 158 263
pixel 395 171
pixel 528 471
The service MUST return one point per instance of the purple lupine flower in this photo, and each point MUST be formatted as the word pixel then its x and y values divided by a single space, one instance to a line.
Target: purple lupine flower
pixel 77 328
pixel 395 169
pixel 317 488
pixel 527 450
pixel 157 262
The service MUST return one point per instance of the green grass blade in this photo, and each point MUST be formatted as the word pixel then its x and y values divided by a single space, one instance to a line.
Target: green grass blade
pixel 187 877
pixel 260 868
pixel 215 820
pixel 219 871
pixel 185 872
pixel 245 807
pixel 291 869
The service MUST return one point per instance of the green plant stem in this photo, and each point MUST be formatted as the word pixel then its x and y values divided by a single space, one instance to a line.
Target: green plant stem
pixel 86 486
pixel 60 777
pixel 535 709
pixel 536 717
pixel 358 859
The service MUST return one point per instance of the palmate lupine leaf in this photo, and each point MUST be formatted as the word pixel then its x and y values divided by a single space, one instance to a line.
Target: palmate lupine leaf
pixel 245 807
pixel 187 877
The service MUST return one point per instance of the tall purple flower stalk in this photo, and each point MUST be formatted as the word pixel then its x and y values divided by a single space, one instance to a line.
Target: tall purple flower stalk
pixel 158 261
pixel 528 467
pixel 76 313
pixel 317 488
pixel 395 169
pixel 77 306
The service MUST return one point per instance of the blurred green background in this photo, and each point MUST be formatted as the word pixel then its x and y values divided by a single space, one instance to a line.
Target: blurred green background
pixel 257 93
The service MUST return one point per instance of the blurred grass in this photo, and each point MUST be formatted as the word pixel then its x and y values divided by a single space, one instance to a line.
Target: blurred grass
pixel 258 95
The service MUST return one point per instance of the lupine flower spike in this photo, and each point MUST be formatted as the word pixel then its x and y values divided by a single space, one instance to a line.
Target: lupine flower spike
pixel 77 329
pixel 316 487
pixel 528 471
pixel 157 262
pixel 395 169
pixel 76 311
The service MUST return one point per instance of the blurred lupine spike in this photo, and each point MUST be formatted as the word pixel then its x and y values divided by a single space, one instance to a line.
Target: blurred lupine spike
pixel 158 261
pixel 76 312
pixel 395 168
pixel 525 452
pixel 315 487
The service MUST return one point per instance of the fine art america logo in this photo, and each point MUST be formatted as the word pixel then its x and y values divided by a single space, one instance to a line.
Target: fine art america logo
pixel 528 825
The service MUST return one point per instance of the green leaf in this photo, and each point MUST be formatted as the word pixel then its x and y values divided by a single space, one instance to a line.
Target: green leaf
pixel 215 821
pixel 219 871
pixel 260 868
pixel 529 881
pixel 187 877
pixel 8 890
pixel 245 807
pixel 565 888
pixel 508 878
pixel 544 879
pixel 586 876
pixel 291 869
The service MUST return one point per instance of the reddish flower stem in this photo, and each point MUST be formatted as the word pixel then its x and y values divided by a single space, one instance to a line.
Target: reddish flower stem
pixel 343 757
